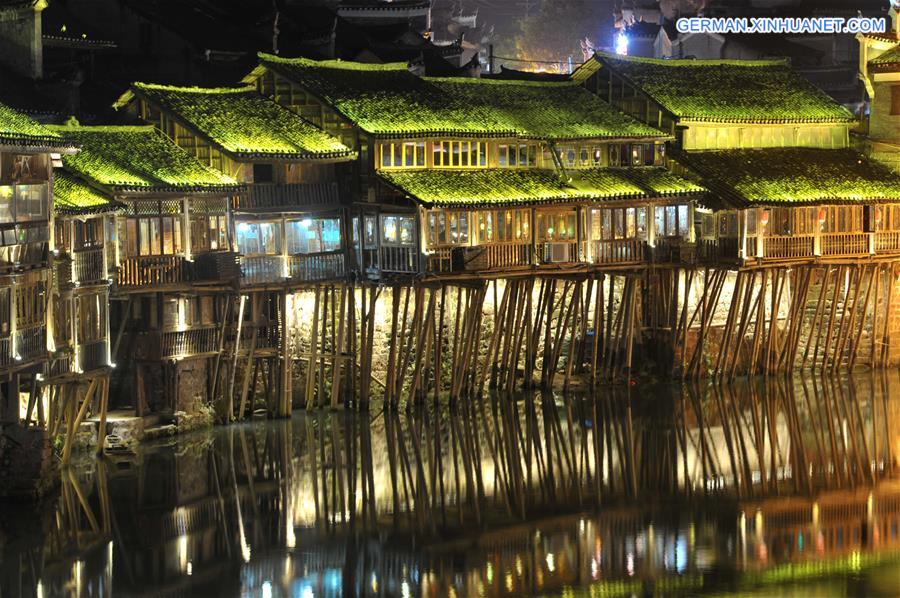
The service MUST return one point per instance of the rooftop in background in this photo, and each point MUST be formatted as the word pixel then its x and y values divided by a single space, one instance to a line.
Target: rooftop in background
pixel 793 175
pixel 139 160
pixel 758 91
pixel 72 196
pixel 242 123
pixel 886 62
pixel 388 100
pixel 508 187
pixel 19 130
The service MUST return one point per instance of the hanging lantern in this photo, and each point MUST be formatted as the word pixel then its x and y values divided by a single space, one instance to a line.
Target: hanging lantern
pixel 822 213
pixel 764 218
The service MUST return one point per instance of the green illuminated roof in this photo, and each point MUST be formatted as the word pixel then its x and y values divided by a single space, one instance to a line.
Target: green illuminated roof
pixel 794 175
pixel 660 182
pixel 18 129
pixel 388 100
pixel 71 195
pixel 724 90
pixel 499 186
pixel 242 123
pixel 138 159
pixel 887 61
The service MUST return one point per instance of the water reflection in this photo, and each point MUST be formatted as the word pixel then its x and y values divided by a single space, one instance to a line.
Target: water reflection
pixel 645 489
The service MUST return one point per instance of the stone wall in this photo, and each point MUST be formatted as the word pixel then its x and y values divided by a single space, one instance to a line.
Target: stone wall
pixel 25 461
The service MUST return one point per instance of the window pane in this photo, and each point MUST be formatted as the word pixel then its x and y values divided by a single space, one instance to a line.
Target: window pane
pixel 168 242
pixel 144 236
pixel 629 223
pixel 397 160
pixel 390 234
pixel 247 234
pixel 501 156
pixel 619 222
pixel 370 237
pixel 606 225
pixel 659 221
pixel 407 230
pixel 270 237
pixel 464 228
pixel 6 203
pixel 420 153
pixel 671 228
pixel 683 224
pixel 641 223
pixel 131 238
pixel 385 155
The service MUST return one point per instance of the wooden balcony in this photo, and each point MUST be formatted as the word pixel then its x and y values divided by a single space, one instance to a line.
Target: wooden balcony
pixel 618 251
pixel 887 242
pixel 845 244
pixel 399 259
pixel 178 344
pixel 563 252
pixel 276 269
pixel 26 345
pixel 725 249
pixel 788 247
pixel 152 271
pixel 31 343
pixel 482 258
pixel 92 356
pixel 87 266
pixel 146 271
pixel 272 197
pixel 672 250
pixel 268 336
pixel 215 266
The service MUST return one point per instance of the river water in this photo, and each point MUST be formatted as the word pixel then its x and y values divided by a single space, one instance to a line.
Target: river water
pixel 769 487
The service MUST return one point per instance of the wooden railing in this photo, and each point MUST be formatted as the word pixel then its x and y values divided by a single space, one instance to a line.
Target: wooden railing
pixel 267 269
pixel 152 270
pixel 619 251
pixel 788 247
pixel 6 356
pixel 559 252
pixel 92 356
pixel 316 266
pixel 673 249
pixel 887 242
pixel 214 266
pixel 87 265
pixel 260 269
pixel 262 196
pixel 268 336
pixel 845 244
pixel 31 343
pixel 185 343
pixel 481 258
pixel 724 248
pixel 399 259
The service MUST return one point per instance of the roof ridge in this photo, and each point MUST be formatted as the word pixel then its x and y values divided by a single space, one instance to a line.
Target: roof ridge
pixel 676 62
pixel 193 88
pixel 336 64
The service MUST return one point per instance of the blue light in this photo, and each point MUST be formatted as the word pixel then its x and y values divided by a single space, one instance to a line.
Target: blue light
pixel 622 43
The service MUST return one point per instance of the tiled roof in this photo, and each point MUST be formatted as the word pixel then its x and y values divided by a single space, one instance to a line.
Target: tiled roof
pixel 793 175
pixel 18 129
pixel 888 61
pixel 388 100
pixel 758 91
pixel 72 195
pixel 138 159
pixel 242 123
pixel 489 187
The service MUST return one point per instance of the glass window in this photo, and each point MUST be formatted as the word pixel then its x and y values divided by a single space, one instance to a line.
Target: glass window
pixel 684 225
pixel 7 202
pixel 314 235
pixel 370 235
pixel 398 230
pixel 31 203
pixel 501 156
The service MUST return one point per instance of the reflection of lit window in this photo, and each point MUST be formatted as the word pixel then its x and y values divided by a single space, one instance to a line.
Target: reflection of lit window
pixel 314 235
pixel 398 230
pixel 258 238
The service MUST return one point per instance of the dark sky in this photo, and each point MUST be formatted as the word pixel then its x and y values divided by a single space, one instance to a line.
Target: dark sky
pixel 571 20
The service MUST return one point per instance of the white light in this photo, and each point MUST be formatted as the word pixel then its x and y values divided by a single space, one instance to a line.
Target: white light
pixel 621 44
pixel 551 566
pixel 267 589
pixel 305 222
